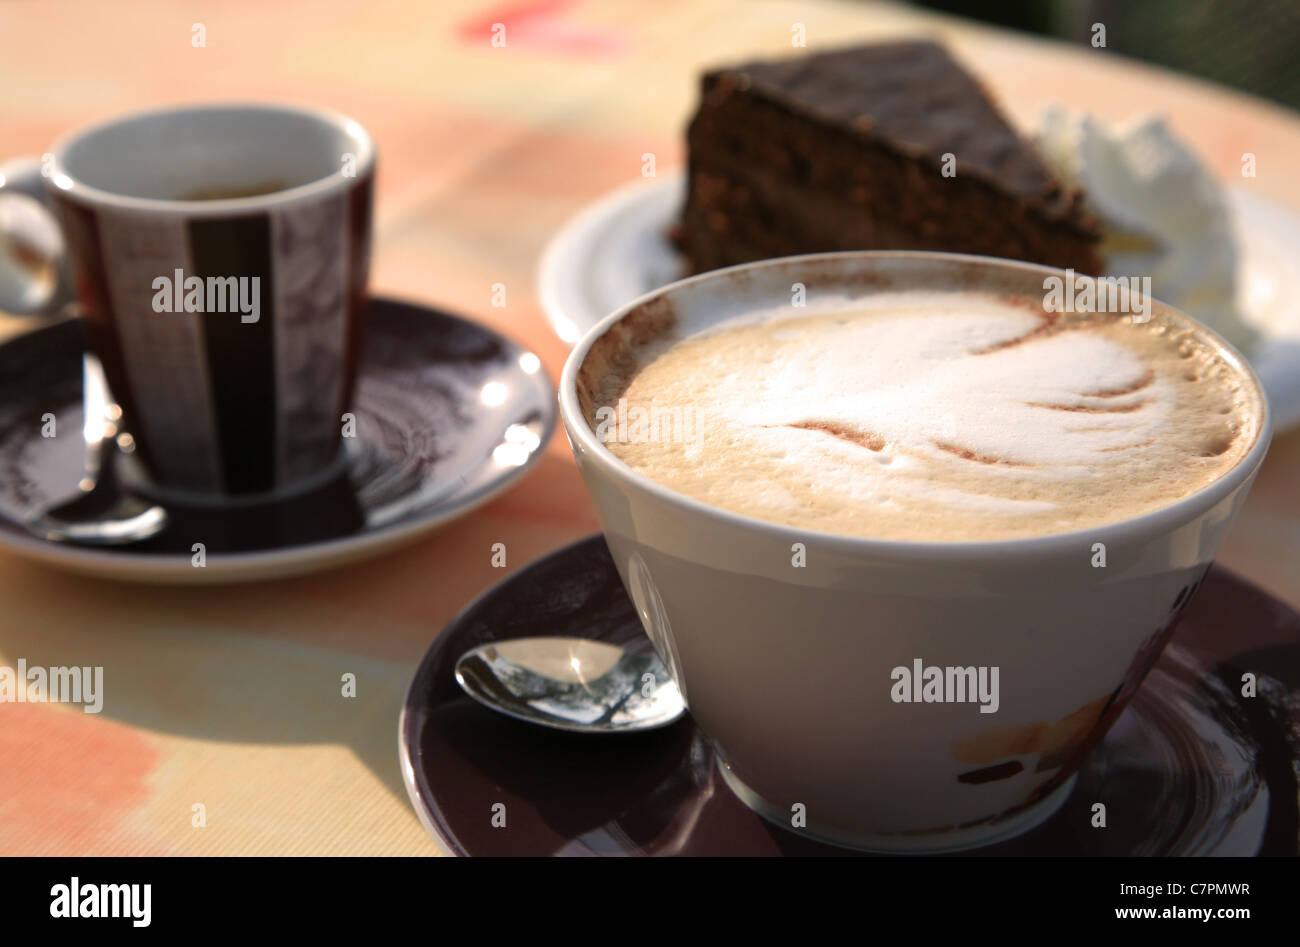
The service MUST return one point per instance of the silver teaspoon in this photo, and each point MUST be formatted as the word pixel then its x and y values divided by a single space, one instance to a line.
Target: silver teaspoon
pixel 103 514
pixel 571 684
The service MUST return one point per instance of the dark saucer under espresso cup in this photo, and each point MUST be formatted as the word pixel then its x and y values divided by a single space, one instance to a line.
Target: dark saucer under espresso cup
pixel 220 256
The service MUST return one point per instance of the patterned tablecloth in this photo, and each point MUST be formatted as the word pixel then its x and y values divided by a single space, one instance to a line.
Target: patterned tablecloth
pixel 229 698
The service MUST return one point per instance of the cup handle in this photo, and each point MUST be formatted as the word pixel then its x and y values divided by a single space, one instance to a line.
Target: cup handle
pixel 35 277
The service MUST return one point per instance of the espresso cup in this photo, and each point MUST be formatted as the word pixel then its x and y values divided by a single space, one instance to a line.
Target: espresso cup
pixel 219 255
pixel 789 670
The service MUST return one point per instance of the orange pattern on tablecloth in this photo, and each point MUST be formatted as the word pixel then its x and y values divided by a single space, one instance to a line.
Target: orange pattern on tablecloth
pixel 542 24
pixel 80 782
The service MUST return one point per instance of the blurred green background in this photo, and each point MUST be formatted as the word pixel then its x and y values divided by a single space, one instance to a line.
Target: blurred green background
pixel 1251 45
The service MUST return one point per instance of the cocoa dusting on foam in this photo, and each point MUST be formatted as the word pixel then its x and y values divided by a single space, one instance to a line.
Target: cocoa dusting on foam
pixel 929 414
pixel 867 439
pixel 614 359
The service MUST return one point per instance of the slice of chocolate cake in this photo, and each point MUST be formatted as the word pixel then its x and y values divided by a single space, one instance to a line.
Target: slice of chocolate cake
pixel 846 151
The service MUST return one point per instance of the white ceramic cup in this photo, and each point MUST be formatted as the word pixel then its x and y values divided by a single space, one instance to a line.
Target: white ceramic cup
pixel 788 669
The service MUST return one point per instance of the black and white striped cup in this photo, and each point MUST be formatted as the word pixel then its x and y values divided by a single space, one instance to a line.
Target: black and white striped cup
pixel 219 254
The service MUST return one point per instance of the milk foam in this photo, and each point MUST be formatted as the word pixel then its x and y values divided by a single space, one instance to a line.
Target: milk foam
pixel 938 415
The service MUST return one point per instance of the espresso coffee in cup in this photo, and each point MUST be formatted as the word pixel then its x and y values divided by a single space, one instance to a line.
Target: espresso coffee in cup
pixel 928 414
pixel 230 193
pixel 908 534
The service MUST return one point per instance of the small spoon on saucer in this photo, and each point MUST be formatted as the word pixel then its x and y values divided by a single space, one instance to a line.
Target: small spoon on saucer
pixel 571 684
pixel 104 514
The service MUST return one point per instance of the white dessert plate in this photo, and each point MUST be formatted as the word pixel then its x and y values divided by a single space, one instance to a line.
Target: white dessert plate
pixel 617 249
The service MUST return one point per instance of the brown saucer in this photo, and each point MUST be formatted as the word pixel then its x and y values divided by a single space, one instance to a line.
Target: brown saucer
pixel 1189 768
pixel 429 447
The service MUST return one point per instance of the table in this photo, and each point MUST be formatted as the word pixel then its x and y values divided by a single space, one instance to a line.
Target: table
pixel 229 698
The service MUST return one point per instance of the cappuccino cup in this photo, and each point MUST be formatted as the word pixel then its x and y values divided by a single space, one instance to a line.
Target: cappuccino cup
pixel 908 538
pixel 218 255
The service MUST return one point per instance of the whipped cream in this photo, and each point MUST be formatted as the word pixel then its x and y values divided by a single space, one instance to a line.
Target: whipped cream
pixel 1163 213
